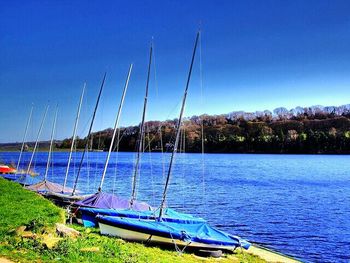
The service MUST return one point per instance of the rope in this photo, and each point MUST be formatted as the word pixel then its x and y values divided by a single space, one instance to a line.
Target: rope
pixel 149 239
pixel 177 248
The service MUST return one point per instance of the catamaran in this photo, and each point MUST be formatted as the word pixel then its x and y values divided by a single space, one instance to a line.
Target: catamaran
pixel 160 231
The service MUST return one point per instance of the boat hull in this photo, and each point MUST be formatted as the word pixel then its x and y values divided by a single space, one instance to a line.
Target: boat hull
pixel 136 236
pixel 64 200
pixel 196 235
pixel 5 169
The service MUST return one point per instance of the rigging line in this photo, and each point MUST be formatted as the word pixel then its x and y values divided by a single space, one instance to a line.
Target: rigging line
pixel 24 137
pixel 116 160
pixel 162 151
pixel 151 166
pixel 73 137
pixel 88 166
pixel 88 137
pixel 96 159
pixel 202 119
pixel 155 69
pixel 119 139
pixel 115 127
pixel 37 140
pixel 141 135
pixel 178 129
pixel 50 149
pixel 75 158
pixel 52 152
pixel 183 166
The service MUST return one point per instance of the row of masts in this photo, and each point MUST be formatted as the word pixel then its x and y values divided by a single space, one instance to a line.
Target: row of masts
pixel 140 138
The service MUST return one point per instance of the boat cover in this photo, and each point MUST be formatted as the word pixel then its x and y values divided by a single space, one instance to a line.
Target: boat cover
pixel 111 201
pixel 27 180
pixel 11 177
pixel 198 232
pixel 47 186
pixel 169 215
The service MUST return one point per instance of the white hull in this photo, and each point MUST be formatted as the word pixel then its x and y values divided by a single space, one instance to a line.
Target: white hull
pixel 146 238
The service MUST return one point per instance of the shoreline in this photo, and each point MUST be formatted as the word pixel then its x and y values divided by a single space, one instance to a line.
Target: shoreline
pixel 33 207
pixel 199 153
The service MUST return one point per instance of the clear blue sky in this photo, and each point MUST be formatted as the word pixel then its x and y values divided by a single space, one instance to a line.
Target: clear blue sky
pixel 256 55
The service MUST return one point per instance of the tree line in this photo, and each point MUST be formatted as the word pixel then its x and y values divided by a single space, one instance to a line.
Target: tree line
pixel 315 129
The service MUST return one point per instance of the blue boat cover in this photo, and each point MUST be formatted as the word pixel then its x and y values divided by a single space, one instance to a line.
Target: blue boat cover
pixel 11 177
pixel 111 201
pixel 169 215
pixel 27 180
pixel 197 232
pixel 24 179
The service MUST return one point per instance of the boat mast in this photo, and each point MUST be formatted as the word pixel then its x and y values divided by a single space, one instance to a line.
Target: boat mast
pixel 37 140
pixel 115 127
pixel 24 138
pixel 162 205
pixel 73 138
pixel 142 128
pixel 88 136
pixel 51 142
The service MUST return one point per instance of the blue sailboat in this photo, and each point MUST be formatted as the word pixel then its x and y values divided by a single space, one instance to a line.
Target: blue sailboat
pixel 197 235
pixel 102 200
pixel 184 234
pixel 112 205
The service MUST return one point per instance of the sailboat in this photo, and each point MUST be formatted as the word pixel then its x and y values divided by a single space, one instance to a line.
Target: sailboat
pixel 159 231
pixel 28 177
pixel 11 172
pixel 46 186
pixel 59 194
pixel 63 198
pixel 100 199
pixel 89 210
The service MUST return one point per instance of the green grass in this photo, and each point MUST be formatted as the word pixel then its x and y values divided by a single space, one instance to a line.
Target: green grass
pixel 19 207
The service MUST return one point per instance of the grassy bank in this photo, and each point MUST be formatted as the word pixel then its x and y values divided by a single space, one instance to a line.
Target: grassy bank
pixel 38 241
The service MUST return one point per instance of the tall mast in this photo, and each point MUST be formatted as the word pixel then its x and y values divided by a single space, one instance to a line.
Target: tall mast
pixel 142 128
pixel 162 205
pixel 51 142
pixel 73 138
pixel 24 137
pixel 37 139
pixel 88 137
pixel 115 127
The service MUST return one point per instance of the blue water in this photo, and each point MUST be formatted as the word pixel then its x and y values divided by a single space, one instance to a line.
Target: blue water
pixel 296 204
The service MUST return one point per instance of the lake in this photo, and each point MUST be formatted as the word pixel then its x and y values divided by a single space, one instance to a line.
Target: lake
pixel 296 204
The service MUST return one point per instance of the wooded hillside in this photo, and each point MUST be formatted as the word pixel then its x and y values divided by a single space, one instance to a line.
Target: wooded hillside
pixel 315 129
